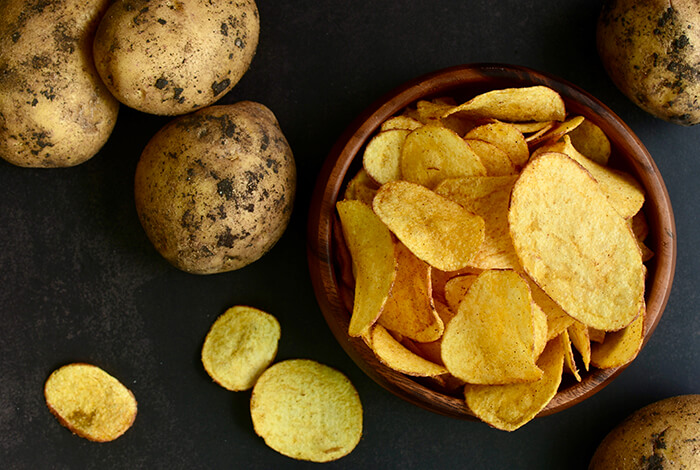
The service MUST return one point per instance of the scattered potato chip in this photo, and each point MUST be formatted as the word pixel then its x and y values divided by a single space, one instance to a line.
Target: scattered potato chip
pixel 400 122
pixel 504 136
pixel 536 103
pixel 578 332
pixel 491 339
pixel 620 347
pixel 569 360
pixel 494 159
pixel 592 142
pixel 89 402
pixel 431 154
pixel 382 156
pixel 306 411
pixel 361 188
pixel 435 229
pixel 574 245
pixel 240 345
pixel 508 407
pixel 409 310
pixel 456 288
pixel 395 356
pixel 557 131
pixel 372 251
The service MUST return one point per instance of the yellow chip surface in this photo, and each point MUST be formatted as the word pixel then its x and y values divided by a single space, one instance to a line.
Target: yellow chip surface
pixel 306 411
pixel 400 122
pixel 578 333
pixel 372 250
pixel 396 356
pixel 456 288
pixel 90 402
pixel 382 156
pixel 591 141
pixel 574 245
pixel 508 407
pixel 491 339
pixel 435 229
pixel 240 345
pixel 361 188
pixel 620 347
pixel 506 137
pixel 536 103
pixel 494 158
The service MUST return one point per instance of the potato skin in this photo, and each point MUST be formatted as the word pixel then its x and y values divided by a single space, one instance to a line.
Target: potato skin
pixel 664 434
pixel 170 58
pixel 214 189
pixel 54 109
pixel 651 50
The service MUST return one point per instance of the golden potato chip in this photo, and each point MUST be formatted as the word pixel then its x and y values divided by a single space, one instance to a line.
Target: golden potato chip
pixel 487 197
pixel 508 407
pixel 536 103
pixel 342 256
pixel 440 278
pixel 491 339
pixel 382 156
pixel 372 250
pixel 240 345
pixel 540 331
pixel 597 336
pixel 306 411
pixel 569 360
pixel 432 110
pixel 574 245
pixel 456 288
pixel 557 319
pixel 400 122
pixel 639 225
pixel 361 188
pixel 557 131
pixel 504 136
pixel 495 159
pixel 647 254
pixel 435 229
pixel 624 192
pixel 592 142
pixel 90 402
pixel 533 126
pixel 431 154
pixel 395 356
pixel 620 347
pixel 409 310
pixel 578 333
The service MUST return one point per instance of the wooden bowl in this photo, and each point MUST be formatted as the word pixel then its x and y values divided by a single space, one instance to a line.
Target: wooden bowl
pixel 461 83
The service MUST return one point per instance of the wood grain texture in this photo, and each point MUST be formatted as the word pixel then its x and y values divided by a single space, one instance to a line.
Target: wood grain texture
pixel 463 82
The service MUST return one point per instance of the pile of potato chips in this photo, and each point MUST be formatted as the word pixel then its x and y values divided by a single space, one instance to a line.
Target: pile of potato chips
pixel 491 249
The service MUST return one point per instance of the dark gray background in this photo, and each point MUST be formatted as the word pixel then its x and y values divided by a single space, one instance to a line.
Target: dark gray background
pixel 79 281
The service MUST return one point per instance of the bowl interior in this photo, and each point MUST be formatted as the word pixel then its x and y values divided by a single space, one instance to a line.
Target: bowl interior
pixel 462 83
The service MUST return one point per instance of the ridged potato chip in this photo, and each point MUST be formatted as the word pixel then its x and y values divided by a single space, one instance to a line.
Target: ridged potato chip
pixel 435 229
pixel 394 355
pixel 90 402
pixel 372 250
pixel 574 245
pixel 620 347
pixel 382 157
pixel 240 345
pixel 306 411
pixel 506 137
pixel 491 339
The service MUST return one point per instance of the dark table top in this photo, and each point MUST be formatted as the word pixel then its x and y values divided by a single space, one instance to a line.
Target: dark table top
pixel 79 280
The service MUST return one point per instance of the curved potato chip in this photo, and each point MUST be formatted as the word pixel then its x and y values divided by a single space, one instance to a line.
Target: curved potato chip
pixel 382 156
pixel 361 188
pixel 569 360
pixel 431 154
pixel 505 136
pixel 540 331
pixel 508 407
pixel 494 158
pixel 620 347
pixel 639 225
pixel 372 250
pixel 557 319
pixel 591 141
pixel 578 333
pixel 400 122
pixel 435 229
pixel 456 288
pixel 556 132
pixel 491 339
pixel 396 356
pixel 409 310
pixel 574 245
pixel 533 126
pixel 536 103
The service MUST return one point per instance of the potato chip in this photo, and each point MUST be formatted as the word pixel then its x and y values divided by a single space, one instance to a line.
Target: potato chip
pixel 372 250
pixel 592 142
pixel 578 333
pixel 621 189
pixel 597 336
pixel 89 402
pixel 647 254
pixel 574 245
pixel 508 407
pixel 639 226
pixel 431 154
pixel 536 103
pixel 382 157
pixel 569 361
pixel 361 188
pixel 306 411
pixel 533 126
pixel 395 356
pixel 557 131
pixel 432 110
pixel 436 230
pixel 539 331
pixel 409 310
pixel 494 159
pixel 456 288
pixel 504 136
pixel 557 319
pixel 400 122
pixel 487 197
pixel 491 339
pixel 620 347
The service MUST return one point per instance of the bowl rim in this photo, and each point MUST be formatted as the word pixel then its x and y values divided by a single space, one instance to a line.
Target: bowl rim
pixel 334 173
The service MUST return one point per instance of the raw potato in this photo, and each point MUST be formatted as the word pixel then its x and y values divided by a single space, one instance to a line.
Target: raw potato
pixel 214 190
pixel 54 109
pixel 90 402
pixel 651 51
pixel 306 411
pixel 662 435
pixel 171 58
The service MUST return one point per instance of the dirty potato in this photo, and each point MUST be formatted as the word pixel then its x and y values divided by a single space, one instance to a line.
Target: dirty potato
pixel 214 189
